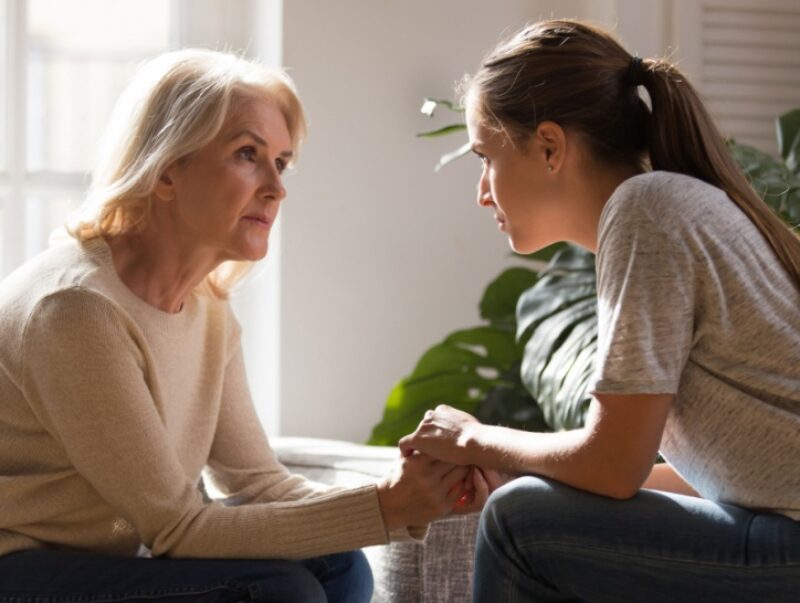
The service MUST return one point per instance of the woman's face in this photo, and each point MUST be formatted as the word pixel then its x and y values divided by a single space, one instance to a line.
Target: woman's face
pixel 515 183
pixel 225 197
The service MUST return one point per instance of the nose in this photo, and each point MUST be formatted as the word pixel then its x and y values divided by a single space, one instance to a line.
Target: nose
pixel 272 188
pixel 484 192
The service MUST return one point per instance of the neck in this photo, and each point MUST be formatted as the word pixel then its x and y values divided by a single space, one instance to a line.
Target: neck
pixel 592 191
pixel 160 269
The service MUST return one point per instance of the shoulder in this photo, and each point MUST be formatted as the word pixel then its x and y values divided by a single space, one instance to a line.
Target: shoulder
pixel 663 198
pixel 70 310
pixel 53 279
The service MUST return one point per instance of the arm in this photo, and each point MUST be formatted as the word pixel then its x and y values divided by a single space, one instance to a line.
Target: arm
pixel 612 455
pixel 243 466
pixel 84 378
pixel 241 463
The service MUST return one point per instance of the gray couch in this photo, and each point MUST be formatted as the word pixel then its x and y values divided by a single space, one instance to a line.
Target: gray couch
pixel 436 571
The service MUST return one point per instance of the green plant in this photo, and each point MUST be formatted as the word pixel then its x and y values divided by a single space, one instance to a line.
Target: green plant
pixel 529 366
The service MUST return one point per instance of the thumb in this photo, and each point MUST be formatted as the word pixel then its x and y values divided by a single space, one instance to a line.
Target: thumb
pixel 406 445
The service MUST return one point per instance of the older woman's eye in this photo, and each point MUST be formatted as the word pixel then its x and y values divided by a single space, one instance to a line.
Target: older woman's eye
pixel 247 153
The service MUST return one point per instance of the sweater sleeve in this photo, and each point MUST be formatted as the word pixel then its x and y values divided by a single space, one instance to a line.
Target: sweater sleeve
pixel 241 464
pixel 83 376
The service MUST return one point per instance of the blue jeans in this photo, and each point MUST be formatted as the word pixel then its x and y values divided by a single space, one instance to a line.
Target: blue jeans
pixel 49 576
pixel 540 540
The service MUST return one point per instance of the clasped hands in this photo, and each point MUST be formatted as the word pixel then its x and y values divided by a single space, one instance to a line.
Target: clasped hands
pixel 437 474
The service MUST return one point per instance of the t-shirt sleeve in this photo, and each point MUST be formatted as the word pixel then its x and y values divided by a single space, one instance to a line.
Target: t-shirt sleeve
pixel 645 296
pixel 83 376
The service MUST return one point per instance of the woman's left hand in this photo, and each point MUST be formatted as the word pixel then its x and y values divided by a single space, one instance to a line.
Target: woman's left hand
pixel 444 434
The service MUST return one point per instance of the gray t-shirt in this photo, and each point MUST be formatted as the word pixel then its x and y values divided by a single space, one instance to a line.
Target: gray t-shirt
pixel 692 301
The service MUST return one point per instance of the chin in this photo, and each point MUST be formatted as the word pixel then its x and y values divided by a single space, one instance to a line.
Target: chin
pixel 523 247
pixel 528 245
pixel 249 254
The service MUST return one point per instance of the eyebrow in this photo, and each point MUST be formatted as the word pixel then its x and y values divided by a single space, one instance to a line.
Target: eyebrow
pixel 258 139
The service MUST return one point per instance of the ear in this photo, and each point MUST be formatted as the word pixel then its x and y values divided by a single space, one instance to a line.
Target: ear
pixel 165 187
pixel 551 143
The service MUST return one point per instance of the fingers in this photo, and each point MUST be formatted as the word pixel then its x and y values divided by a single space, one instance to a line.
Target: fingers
pixel 456 474
pixel 478 495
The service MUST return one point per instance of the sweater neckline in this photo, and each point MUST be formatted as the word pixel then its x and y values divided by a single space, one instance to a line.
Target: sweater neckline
pixel 173 325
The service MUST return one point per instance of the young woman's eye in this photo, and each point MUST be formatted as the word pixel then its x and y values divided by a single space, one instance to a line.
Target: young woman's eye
pixel 247 153
pixel 280 164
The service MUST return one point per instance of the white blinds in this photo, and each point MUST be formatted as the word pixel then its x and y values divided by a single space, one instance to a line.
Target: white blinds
pixel 748 64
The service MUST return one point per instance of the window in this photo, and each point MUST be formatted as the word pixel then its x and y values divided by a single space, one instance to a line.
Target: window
pixel 64 66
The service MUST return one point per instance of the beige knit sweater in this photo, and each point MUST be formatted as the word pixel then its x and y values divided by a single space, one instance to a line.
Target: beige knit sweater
pixel 110 409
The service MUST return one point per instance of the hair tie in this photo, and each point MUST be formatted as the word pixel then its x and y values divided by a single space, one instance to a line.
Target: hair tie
pixel 635 74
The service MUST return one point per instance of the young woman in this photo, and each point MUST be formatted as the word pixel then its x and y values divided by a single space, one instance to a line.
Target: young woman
pixel 698 350
pixel 121 375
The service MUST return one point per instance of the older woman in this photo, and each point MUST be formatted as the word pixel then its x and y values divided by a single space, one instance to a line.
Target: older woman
pixel 122 374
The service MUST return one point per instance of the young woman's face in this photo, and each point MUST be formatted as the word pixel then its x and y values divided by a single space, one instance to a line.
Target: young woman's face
pixel 515 183
pixel 226 196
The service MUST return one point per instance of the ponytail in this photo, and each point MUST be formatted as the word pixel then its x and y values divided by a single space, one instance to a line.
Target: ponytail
pixel 682 137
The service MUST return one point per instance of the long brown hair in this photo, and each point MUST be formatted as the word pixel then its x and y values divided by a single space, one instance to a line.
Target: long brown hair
pixel 581 78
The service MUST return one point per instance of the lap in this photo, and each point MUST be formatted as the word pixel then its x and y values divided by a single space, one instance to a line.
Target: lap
pixel 657 540
pixel 53 575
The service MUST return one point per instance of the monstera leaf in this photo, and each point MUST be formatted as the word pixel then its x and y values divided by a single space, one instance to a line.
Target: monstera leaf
pixel 557 320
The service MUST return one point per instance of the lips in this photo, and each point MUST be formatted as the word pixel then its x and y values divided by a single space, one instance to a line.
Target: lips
pixel 259 220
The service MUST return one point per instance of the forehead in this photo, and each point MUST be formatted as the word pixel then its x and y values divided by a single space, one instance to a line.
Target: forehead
pixel 476 128
pixel 262 116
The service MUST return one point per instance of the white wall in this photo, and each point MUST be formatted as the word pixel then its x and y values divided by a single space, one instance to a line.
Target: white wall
pixel 381 257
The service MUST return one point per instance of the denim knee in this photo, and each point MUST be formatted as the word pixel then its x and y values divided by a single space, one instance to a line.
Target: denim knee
pixel 531 508
pixel 359 577
pixel 345 577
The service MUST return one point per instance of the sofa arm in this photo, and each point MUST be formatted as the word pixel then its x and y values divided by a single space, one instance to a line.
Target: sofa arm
pixel 437 571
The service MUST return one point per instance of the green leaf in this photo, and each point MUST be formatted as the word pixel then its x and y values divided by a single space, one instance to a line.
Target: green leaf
pixel 442 131
pixel 410 398
pixel 499 301
pixel 788 126
pixel 449 157
pixel 459 371
pixel 511 406
pixel 496 348
pixel 550 295
pixel 558 316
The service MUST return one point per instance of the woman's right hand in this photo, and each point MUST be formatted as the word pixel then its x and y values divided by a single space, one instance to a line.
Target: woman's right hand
pixel 420 489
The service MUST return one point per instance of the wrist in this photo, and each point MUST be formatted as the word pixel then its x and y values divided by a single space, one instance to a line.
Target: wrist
pixel 390 521
pixel 474 443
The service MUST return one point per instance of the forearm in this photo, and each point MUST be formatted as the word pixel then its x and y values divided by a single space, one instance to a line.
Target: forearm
pixel 571 457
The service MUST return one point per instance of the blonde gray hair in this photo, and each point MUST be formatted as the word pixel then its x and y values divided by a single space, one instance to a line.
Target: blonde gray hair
pixel 175 105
